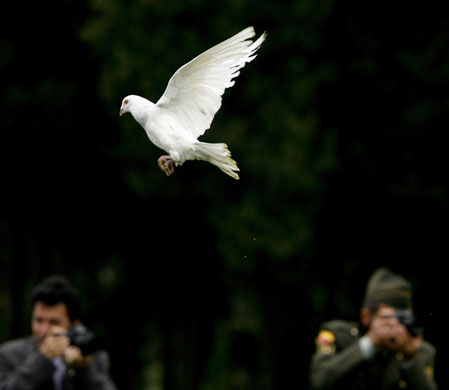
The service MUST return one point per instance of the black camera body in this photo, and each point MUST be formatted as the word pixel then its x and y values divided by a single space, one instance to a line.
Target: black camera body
pixel 408 319
pixel 87 341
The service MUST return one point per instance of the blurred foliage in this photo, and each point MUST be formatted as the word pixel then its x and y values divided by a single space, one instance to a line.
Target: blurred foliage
pixel 199 281
pixel 270 123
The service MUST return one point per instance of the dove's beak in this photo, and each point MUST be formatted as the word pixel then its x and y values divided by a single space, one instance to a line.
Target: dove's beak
pixel 121 111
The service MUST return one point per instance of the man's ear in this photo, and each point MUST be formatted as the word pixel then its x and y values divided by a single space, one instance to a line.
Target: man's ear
pixel 366 316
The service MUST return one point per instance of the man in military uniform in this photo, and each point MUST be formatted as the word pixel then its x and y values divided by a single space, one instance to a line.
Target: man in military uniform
pixel 386 353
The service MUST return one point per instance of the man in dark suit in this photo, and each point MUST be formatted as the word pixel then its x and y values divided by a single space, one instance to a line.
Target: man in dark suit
pixel 47 360
pixel 387 352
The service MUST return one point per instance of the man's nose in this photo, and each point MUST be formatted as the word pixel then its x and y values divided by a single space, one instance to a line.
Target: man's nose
pixel 44 329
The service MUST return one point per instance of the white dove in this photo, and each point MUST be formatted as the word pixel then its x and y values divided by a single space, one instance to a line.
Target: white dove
pixel 191 100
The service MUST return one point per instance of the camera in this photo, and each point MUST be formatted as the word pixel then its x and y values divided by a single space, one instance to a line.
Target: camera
pixel 408 319
pixel 87 341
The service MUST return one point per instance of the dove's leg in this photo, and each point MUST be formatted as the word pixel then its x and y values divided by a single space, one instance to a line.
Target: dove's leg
pixel 166 164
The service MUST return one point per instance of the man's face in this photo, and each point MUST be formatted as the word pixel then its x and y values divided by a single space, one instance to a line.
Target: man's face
pixel 45 317
pixel 384 312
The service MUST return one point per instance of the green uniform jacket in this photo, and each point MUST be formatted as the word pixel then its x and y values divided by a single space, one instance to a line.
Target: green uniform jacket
pixel 338 363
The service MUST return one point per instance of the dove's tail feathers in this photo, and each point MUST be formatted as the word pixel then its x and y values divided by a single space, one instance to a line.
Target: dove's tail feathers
pixel 218 155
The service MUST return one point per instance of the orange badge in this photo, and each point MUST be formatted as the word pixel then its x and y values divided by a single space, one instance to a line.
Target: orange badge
pixel 325 342
pixel 429 371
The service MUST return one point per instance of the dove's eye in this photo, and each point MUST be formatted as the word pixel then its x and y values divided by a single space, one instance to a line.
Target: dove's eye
pixel 125 101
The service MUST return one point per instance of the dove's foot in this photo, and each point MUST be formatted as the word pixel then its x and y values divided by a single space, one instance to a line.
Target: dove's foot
pixel 166 164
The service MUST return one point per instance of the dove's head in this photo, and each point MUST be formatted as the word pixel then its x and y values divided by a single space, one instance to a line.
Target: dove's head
pixel 126 104
pixel 136 105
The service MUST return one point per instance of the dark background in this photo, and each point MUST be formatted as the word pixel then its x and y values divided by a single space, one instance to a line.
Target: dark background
pixel 199 281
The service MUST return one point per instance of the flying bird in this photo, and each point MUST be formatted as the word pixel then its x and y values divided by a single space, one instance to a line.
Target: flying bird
pixel 191 100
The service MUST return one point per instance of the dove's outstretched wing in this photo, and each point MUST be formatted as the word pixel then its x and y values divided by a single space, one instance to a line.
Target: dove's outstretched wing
pixel 194 91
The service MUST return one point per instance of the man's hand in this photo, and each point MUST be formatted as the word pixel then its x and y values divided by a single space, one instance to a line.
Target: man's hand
pixel 74 358
pixel 55 343
pixel 386 331
pixel 382 327
pixel 404 342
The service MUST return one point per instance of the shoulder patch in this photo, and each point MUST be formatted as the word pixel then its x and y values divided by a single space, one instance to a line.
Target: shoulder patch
pixel 325 342
pixel 429 371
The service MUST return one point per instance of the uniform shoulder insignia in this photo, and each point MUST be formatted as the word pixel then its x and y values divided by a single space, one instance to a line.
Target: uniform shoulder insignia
pixel 325 342
pixel 429 371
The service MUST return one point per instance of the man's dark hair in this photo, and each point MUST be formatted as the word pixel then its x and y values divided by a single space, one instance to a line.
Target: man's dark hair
pixel 54 290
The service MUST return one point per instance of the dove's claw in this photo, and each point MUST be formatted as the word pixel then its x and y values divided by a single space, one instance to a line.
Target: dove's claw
pixel 166 164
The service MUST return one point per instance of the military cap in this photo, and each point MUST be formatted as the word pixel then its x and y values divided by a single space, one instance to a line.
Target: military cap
pixel 384 286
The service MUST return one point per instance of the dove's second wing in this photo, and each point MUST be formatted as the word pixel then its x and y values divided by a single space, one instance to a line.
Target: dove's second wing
pixel 194 91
